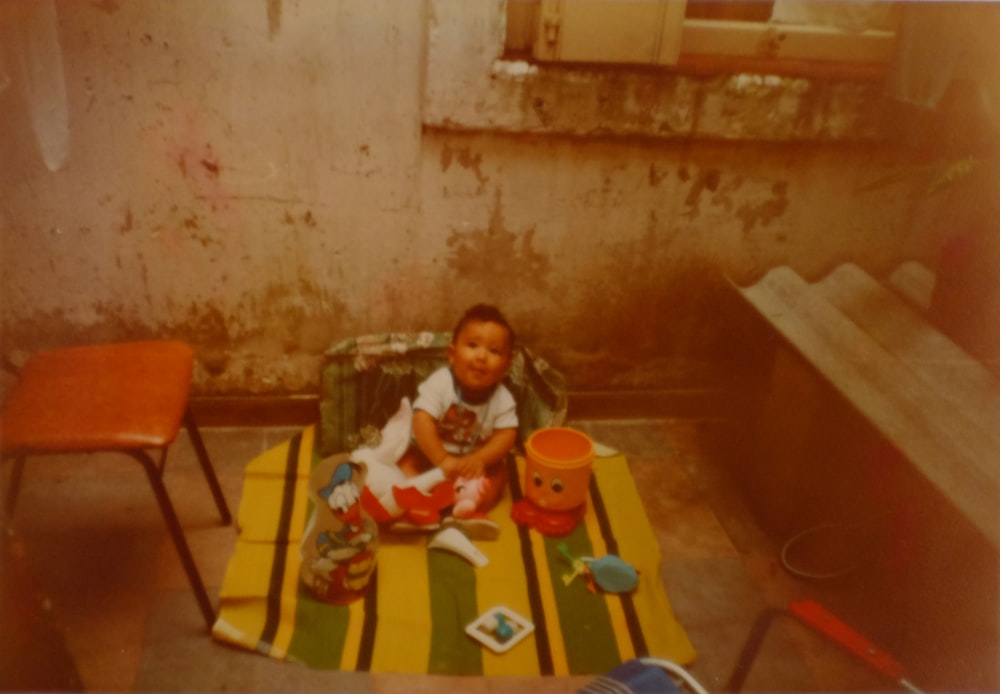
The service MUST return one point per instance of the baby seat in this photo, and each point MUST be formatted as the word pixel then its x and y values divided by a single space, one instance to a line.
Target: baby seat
pixel 363 380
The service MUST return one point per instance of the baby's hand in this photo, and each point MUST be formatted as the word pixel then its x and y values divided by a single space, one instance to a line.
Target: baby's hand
pixel 469 467
pixel 449 466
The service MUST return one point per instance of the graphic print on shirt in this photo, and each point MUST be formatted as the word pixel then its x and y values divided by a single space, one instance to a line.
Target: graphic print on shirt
pixel 459 426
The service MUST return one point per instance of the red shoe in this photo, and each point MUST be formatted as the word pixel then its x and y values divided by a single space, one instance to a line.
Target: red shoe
pixel 424 509
pixel 475 527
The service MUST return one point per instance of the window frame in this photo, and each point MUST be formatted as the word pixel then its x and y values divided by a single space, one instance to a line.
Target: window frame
pixel 537 30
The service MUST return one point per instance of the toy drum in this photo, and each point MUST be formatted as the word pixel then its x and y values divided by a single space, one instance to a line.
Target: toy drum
pixel 557 470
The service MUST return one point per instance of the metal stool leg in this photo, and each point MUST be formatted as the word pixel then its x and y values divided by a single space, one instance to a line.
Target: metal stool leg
pixel 206 466
pixel 751 647
pixel 177 533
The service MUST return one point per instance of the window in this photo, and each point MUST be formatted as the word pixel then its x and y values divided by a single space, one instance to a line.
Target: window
pixel 672 32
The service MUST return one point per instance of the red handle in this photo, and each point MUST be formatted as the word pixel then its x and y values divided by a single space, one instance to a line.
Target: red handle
pixel 820 619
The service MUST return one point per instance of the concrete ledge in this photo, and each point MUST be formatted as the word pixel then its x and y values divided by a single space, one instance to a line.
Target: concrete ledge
pixel 470 87
pixel 255 410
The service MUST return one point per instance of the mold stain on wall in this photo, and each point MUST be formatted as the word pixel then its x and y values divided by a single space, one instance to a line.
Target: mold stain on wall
pixel 467 159
pixel 484 257
pixel 611 192
pixel 764 211
pixel 705 180
pixel 274 339
pixel 636 306
pixel 657 174
pixel 273 18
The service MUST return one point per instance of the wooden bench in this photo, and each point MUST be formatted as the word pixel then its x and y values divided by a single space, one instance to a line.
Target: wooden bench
pixel 936 405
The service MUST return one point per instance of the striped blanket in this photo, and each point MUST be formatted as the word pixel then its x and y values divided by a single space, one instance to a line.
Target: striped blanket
pixel 413 617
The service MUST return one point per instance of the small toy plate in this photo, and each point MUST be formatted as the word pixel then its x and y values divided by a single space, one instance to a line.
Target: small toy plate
pixel 484 629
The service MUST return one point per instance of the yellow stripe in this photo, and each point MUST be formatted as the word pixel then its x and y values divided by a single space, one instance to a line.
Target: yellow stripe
pixel 501 583
pixel 270 463
pixel 260 504
pixel 614 603
pixel 260 509
pixel 352 639
pixel 665 637
pixel 239 623
pixel 293 558
pixel 263 489
pixel 402 642
pixel 273 462
pixel 625 509
pixel 638 545
pixel 243 595
pixel 248 571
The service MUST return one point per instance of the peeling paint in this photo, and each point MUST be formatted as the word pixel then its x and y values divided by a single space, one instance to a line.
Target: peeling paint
pixel 467 159
pixel 656 175
pixel 769 45
pixel 212 167
pixel 128 223
pixel 541 111
pixel 706 180
pixel 765 211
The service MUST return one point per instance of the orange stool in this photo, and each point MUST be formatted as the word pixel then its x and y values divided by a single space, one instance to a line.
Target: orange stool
pixel 128 398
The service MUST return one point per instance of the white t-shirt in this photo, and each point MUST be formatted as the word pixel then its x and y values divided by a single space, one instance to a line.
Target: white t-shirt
pixel 464 426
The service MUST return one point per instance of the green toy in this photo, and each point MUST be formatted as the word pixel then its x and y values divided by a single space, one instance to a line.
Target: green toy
pixel 610 573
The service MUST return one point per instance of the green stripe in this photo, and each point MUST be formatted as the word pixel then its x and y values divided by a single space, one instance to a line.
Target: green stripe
pixel 587 631
pixel 453 606
pixel 320 628
pixel 320 632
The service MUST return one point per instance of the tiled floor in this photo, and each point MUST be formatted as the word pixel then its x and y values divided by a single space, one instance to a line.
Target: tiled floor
pixel 107 580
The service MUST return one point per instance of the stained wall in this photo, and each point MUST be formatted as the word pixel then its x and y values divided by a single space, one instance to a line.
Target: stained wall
pixel 265 178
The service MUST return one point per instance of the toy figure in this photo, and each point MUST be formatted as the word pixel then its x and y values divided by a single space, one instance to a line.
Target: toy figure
pixel 469 493
pixel 338 549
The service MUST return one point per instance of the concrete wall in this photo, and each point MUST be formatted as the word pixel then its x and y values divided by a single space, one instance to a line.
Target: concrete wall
pixel 263 178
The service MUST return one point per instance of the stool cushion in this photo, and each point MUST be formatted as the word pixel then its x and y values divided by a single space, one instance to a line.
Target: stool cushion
pixel 100 397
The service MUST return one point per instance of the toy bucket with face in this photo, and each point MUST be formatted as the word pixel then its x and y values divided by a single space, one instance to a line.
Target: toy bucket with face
pixel 557 470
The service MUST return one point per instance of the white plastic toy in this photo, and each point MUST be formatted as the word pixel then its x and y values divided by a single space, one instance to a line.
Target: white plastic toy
pixel 500 629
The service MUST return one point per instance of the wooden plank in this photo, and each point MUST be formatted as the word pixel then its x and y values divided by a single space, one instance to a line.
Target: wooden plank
pixel 947 369
pixel 950 451
pixel 914 282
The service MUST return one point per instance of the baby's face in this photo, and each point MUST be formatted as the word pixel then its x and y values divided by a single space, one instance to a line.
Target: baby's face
pixel 480 356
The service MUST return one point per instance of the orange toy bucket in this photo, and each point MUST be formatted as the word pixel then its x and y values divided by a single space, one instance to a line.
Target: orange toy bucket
pixel 557 470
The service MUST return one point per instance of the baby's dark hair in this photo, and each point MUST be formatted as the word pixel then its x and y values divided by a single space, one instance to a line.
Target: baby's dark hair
pixel 485 313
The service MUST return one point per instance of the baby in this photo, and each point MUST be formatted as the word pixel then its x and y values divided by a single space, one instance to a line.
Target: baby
pixel 465 419
pixel 464 423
